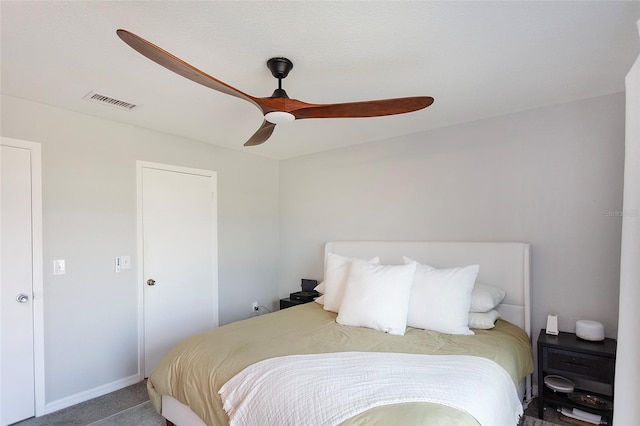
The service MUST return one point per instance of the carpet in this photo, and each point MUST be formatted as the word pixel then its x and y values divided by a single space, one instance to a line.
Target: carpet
pixel 140 415
pixel 534 421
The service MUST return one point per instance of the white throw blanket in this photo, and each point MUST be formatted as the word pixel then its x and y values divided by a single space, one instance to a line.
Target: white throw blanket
pixel 326 389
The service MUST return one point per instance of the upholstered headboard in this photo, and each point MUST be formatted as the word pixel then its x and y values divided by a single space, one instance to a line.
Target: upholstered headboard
pixel 502 264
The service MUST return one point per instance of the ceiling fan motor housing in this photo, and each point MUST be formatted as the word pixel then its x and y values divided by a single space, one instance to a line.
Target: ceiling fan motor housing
pixel 279 93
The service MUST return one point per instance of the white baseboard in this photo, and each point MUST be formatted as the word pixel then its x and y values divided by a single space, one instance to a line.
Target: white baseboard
pixel 50 407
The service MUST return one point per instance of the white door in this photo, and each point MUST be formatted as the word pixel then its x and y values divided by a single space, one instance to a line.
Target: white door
pixel 17 389
pixel 179 270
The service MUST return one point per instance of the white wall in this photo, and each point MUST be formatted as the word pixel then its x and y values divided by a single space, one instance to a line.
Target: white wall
pixel 545 176
pixel 89 216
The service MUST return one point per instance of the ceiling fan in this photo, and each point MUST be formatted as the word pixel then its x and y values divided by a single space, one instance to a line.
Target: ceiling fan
pixel 278 108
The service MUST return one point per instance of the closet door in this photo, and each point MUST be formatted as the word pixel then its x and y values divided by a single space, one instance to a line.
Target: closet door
pixel 179 262
pixel 17 387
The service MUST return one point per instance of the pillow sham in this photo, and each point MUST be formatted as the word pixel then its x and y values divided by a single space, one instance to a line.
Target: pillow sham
pixel 485 297
pixel 440 298
pixel 483 320
pixel 335 279
pixel 377 296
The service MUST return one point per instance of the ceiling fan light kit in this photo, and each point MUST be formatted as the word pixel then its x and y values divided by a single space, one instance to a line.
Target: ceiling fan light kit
pixel 278 108
pixel 279 117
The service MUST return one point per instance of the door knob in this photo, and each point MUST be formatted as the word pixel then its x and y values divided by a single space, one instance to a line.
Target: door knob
pixel 151 281
pixel 22 298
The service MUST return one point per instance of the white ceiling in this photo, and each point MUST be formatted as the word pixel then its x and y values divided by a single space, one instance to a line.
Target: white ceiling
pixel 477 59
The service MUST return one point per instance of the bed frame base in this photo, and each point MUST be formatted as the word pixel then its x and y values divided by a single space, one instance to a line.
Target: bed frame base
pixel 179 414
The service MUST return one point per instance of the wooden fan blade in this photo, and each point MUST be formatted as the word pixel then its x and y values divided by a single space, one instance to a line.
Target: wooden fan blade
pixel 263 133
pixel 177 65
pixel 365 108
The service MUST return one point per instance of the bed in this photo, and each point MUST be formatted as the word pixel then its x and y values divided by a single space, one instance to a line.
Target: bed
pixel 193 383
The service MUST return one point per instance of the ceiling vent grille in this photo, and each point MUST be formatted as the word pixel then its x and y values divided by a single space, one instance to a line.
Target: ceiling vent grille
pixel 107 100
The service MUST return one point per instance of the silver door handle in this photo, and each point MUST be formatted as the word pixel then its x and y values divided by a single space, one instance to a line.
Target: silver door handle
pixel 22 298
pixel 151 281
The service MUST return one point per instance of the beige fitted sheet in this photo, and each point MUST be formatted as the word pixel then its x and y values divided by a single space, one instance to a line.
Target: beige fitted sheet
pixel 195 369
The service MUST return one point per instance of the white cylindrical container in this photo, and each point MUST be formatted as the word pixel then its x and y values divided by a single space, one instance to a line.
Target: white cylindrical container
pixel 590 330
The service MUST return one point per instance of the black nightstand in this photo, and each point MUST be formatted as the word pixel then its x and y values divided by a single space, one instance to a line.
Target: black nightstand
pixel 287 303
pixel 590 365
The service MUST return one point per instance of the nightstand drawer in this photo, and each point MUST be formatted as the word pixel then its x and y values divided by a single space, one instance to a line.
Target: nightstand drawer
pixel 588 366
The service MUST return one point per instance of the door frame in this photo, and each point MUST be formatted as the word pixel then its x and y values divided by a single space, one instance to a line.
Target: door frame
pixel 140 245
pixel 37 268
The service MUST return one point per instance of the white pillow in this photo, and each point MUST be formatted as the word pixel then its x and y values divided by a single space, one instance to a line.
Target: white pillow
pixel 377 296
pixel 335 279
pixel 485 297
pixel 483 320
pixel 440 298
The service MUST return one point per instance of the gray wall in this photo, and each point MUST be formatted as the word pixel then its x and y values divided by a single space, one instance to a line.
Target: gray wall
pixel 89 216
pixel 544 176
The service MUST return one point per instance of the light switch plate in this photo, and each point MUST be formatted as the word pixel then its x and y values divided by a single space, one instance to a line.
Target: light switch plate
pixel 59 267
pixel 117 265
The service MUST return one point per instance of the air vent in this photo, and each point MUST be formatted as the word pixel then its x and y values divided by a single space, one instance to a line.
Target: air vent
pixel 107 100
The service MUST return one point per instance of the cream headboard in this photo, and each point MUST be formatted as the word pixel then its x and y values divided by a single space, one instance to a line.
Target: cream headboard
pixel 503 264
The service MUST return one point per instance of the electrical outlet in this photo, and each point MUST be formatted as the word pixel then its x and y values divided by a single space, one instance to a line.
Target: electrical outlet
pixel 255 307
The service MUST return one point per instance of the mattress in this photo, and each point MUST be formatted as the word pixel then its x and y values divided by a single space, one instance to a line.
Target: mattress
pixel 194 371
